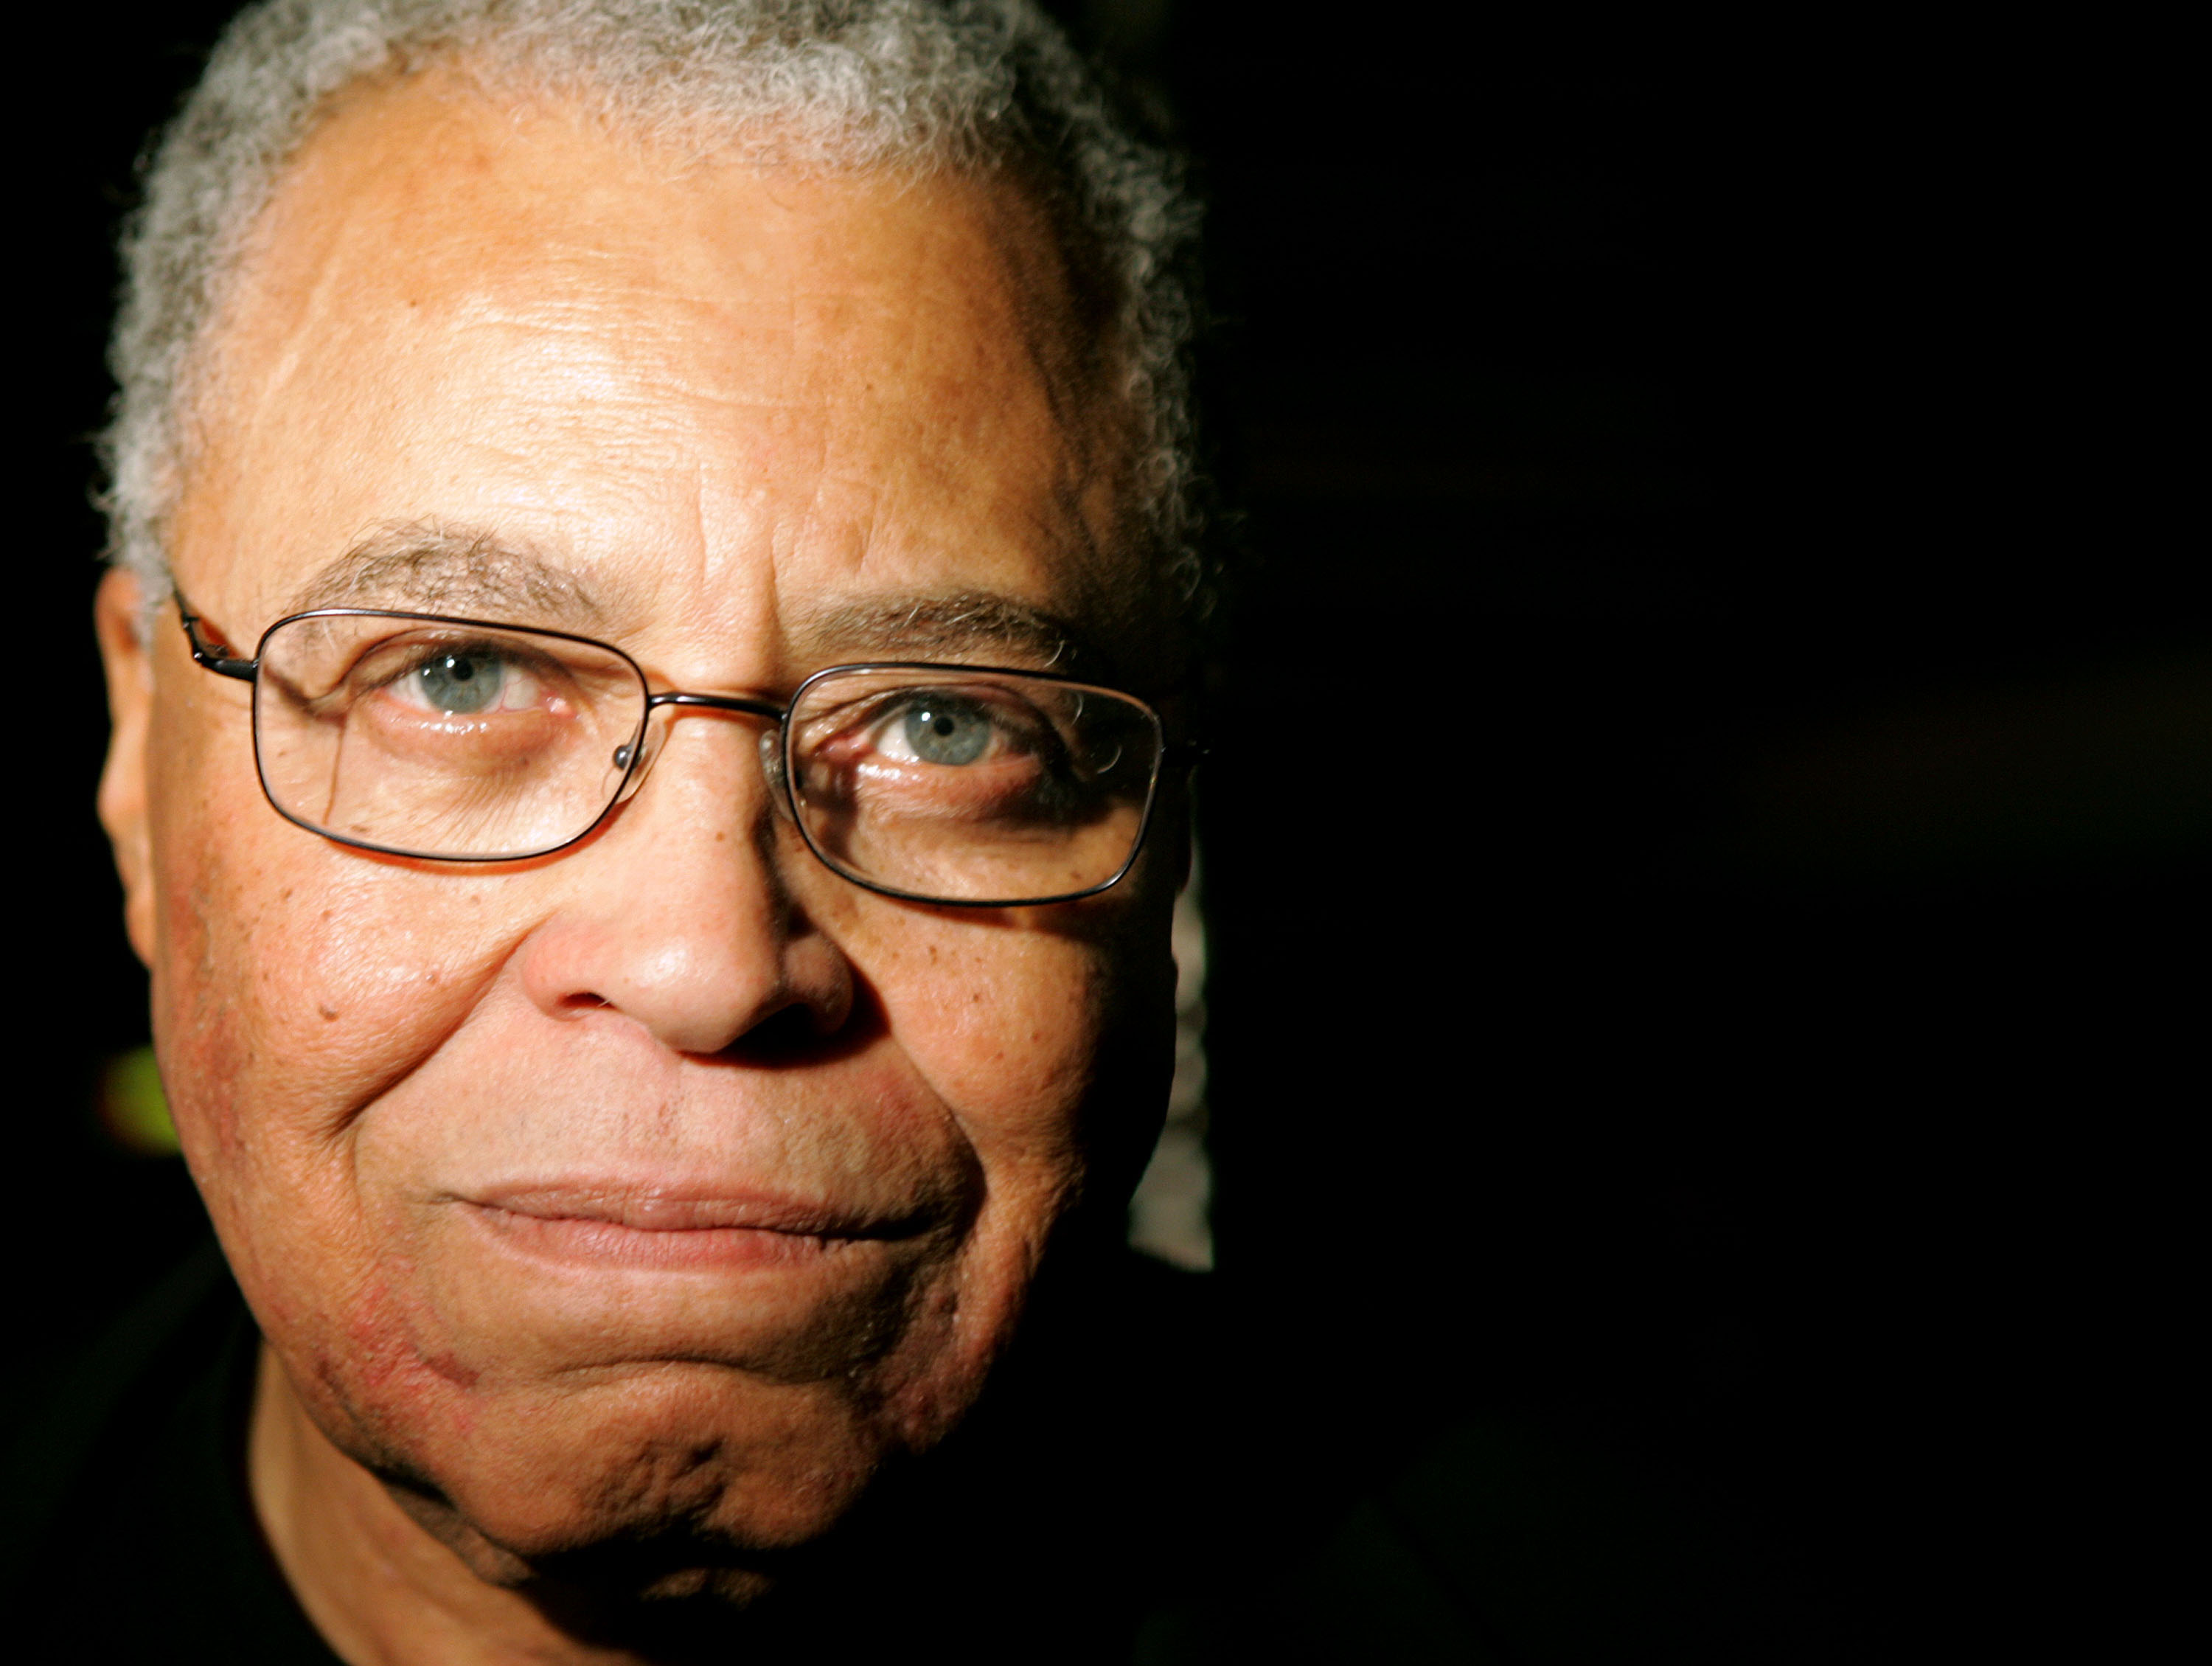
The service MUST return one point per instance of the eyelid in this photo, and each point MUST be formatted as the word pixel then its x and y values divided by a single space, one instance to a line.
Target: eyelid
pixel 410 658
pixel 1008 713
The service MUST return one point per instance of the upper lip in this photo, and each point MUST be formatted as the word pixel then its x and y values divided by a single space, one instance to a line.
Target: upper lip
pixel 682 1209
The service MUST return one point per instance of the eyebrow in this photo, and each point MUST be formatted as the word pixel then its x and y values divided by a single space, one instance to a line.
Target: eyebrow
pixel 435 567
pixel 941 625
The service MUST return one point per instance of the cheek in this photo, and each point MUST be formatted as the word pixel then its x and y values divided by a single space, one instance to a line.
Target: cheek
pixel 993 1016
pixel 292 983
pixel 1031 1036
pixel 289 994
pixel 317 984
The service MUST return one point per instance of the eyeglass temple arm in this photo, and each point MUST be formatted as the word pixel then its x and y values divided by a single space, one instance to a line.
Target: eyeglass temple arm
pixel 212 656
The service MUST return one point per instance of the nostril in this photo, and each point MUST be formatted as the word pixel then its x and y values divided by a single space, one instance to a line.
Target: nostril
pixel 794 1032
pixel 584 1001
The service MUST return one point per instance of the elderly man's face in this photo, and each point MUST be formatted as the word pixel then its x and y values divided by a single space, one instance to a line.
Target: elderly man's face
pixel 745 425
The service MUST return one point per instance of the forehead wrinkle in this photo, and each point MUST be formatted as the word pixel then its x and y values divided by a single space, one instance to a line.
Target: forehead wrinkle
pixel 652 350
pixel 436 567
pixel 725 571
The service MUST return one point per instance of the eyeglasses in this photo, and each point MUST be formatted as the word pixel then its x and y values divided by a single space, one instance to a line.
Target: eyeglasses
pixel 461 740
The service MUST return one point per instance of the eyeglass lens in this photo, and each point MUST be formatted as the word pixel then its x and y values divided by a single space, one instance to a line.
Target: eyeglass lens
pixel 448 740
pixel 973 787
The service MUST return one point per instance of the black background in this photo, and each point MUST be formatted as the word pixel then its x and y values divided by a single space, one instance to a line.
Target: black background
pixel 1707 846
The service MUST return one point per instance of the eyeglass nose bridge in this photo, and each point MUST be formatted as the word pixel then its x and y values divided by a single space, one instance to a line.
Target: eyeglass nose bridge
pixel 636 755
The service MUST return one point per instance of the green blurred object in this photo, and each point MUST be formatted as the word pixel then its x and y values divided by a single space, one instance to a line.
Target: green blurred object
pixel 132 1107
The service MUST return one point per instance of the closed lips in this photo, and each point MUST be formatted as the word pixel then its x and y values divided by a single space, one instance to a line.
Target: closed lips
pixel 677 1212
pixel 668 1228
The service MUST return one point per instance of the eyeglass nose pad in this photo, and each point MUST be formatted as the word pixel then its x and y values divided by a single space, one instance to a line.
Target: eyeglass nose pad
pixel 642 746
pixel 772 767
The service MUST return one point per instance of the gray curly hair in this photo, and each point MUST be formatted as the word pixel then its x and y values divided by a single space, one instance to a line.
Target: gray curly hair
pixel 960 84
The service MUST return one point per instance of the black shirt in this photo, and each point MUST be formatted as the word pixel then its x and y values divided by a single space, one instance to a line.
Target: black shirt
pixel 136 1540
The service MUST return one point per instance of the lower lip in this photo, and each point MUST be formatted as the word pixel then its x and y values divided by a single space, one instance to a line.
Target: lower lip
pixel 582 1241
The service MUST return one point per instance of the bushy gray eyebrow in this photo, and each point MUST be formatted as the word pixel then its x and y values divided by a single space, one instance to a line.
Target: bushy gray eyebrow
pixel 432 568
pixel 925 627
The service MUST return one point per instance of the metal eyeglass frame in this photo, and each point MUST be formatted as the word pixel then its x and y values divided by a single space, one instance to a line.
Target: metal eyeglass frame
pixel 216 657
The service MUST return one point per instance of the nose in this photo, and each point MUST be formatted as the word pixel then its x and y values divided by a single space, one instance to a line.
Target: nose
pixel 677 916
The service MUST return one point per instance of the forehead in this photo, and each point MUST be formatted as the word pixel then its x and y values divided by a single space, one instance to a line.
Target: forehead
pixel 709 400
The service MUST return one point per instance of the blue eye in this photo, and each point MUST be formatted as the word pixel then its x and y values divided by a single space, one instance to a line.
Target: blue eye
pixel 462 683
pixel 946 732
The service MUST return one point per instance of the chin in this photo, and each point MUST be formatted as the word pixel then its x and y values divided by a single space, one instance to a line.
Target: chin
pixel 688 1477
pixel 673 1455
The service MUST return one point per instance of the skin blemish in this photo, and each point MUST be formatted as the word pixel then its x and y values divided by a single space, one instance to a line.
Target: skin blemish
pixel 329 1014
pixel 450 1367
